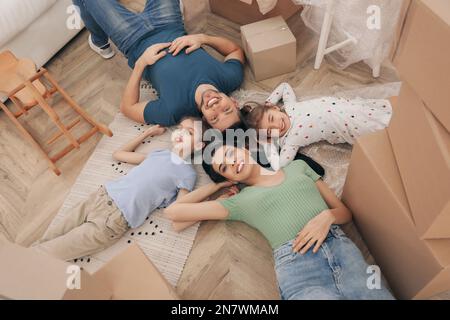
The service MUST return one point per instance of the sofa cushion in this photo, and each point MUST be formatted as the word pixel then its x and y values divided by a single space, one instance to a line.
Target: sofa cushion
pixel 15 16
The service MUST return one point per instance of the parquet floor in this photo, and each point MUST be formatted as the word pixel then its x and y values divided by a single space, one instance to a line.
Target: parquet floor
pixel 228 260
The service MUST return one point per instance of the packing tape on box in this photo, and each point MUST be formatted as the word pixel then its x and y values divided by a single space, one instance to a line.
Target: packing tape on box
pixel 271 30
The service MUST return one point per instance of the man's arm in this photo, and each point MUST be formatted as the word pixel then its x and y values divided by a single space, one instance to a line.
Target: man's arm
pixel 130 105
pixel 224 46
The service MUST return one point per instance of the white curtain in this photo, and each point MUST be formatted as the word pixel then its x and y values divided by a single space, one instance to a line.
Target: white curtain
pixel 350 18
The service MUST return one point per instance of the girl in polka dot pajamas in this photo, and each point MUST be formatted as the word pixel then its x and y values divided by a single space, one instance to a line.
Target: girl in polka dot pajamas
pixel 299 124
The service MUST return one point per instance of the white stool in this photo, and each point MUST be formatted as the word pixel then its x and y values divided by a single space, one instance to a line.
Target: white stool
pixel 322 49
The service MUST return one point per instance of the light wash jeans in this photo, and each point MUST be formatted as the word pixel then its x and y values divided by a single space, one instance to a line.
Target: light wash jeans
pixel 108 19
pixel 337 271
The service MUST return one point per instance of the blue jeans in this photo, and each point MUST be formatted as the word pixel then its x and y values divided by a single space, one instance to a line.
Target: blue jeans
pixel 108 19
pixel 337 271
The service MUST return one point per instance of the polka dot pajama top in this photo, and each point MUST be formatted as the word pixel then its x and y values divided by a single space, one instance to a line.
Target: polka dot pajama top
pixel 332 119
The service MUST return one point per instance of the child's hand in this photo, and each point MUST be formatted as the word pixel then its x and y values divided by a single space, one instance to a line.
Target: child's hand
pixel 155 130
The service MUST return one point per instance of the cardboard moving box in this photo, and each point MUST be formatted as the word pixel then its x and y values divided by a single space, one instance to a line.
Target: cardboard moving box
pixel 422 148
pixel 270 47
pixel 245 13
pixel 131 276
pixel 441 249
pixel 28 274
pixel 423 55
pixel 374 193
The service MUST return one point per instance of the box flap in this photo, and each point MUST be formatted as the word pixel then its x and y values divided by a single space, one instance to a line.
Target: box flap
pixel 440 226
pixel 384 163
pixel 132 276
pixel 247 11
pixel 421 148
pixel 423 55
pixel 440 8
pixel 439 284
pixel 441 250
pixel 26 273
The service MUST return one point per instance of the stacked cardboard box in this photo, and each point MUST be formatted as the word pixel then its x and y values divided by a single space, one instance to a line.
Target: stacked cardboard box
pixel 28 274
pixel 247 11
pixel 270 47
pixel 398 185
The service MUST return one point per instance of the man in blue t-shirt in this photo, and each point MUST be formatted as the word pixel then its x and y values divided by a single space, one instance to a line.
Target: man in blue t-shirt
pixel 189 81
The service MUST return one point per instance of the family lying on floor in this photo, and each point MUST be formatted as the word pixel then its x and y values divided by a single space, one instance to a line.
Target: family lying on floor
pixel 284 198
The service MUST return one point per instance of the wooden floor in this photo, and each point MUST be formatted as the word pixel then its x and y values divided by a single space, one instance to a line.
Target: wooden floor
pixel 228 260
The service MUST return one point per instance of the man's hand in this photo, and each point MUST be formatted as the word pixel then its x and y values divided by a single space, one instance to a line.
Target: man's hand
pixel 153 53
pixel 315 232
pixel 193 42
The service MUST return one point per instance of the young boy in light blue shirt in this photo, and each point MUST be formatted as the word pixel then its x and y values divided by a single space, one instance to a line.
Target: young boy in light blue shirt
pixel 107 214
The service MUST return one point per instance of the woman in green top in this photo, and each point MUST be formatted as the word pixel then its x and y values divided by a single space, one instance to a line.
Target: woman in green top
pixel 297 213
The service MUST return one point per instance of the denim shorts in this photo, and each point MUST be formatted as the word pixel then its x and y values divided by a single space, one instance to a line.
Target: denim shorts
pixel 336 272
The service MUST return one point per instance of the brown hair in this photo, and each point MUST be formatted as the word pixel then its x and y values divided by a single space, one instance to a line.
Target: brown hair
pixel 252 113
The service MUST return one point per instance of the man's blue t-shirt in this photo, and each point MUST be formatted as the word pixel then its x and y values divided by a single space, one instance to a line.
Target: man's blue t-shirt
pixel 176 78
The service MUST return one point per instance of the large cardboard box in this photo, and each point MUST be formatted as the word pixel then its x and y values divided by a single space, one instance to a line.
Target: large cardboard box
pixel 131 276
pixel 270 47
pixel 245 12
pixel 422 149
pixel 400 24
pixel 423 56
pixel 374 193
pixel 28 274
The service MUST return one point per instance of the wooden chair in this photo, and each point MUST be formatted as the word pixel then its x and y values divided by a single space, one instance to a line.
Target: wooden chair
pixel 21 83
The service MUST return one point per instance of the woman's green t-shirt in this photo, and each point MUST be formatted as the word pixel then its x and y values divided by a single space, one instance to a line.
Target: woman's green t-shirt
pixel 279 212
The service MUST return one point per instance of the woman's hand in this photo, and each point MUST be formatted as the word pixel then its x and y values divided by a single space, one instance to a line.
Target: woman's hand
pixel 153 53
pixel 156 130
pixel 193 42
pixel 314 232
